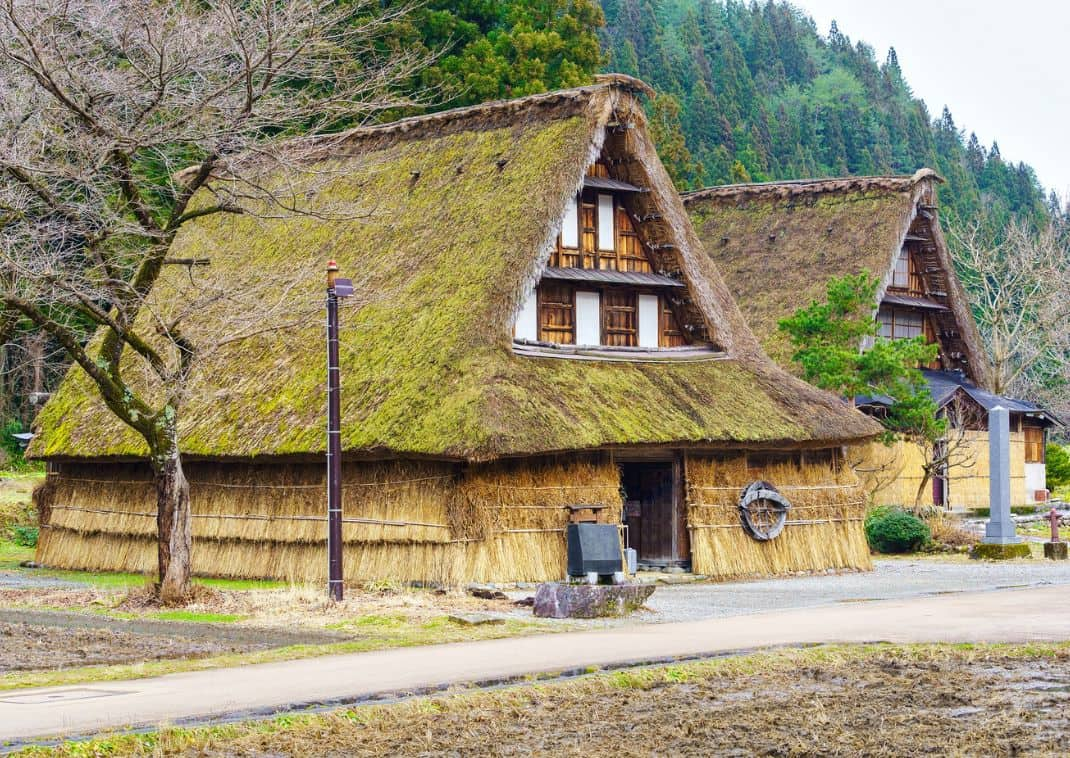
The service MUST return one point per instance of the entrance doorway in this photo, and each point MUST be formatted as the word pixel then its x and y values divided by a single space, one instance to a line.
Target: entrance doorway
pixel 653 512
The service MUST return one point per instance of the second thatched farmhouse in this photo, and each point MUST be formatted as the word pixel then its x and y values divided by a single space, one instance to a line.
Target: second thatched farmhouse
pixel 537 337
pixel 777 245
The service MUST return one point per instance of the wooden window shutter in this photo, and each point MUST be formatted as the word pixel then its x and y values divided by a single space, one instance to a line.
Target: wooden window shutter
pixel 588 231
pixel 1034 444
pixel 557 314
pixel 630 253
pixel 620 326
pixel 671 334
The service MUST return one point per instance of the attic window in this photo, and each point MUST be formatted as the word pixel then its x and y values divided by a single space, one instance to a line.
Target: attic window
pixel 906 275
pixel 598 232
pixel 580 313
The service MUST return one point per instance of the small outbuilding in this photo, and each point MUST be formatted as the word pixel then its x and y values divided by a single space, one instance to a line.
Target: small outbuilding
pixel 537 337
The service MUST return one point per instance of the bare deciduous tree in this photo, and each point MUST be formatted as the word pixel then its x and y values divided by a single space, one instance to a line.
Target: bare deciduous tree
pixel 102 102
pixel 952 453
pixel 1019 287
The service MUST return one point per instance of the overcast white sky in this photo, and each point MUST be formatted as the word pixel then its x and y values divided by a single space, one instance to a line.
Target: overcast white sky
pixel 999 66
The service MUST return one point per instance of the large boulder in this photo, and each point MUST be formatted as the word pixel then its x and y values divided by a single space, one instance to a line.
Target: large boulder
pixel 558 600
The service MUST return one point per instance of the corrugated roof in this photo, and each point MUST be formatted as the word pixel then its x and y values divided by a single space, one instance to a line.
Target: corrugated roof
pixel 943 385
pixel 914 302
pixel 610 277
pixel 602 182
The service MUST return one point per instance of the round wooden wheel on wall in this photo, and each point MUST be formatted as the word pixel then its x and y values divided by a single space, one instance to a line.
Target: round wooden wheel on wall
pixel 763 510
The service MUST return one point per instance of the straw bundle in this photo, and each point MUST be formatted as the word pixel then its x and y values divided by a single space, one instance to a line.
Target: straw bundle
pixel 824 527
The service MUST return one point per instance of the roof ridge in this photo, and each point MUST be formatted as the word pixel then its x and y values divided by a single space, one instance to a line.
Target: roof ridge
pixel 602 82
pixel 791 187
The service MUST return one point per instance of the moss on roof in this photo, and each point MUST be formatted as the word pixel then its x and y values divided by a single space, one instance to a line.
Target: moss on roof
pixel 448 220
pixel 777 244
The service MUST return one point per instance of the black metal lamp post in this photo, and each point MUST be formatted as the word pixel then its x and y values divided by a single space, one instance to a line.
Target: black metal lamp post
pixel 336 288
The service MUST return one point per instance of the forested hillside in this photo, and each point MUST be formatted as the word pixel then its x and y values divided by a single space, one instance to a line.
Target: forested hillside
pixel 757 93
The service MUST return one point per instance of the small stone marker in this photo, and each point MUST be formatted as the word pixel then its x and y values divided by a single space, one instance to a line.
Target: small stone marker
pixel 1000 540
pixel 560 600
pixel 475 619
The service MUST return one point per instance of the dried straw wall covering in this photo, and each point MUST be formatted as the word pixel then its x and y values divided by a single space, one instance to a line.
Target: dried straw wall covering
pixel 824 527
pixel 404 521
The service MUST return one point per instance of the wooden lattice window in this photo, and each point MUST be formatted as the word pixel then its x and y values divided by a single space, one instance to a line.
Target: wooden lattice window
pixel 630 253
pixel 588 230
pixel 557 314
pixel 1034 444
pixel 900 324
pixel 906 275
pixel 620 319
pixel 598 169
pixel 671 334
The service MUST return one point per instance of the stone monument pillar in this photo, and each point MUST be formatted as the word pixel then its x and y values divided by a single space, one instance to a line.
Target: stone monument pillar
pixel 1000 540
pixel 1000 528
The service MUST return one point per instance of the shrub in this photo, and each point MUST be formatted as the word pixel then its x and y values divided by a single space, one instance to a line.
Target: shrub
pixel 891 530
pixel 950 532
pixel 1058 470
pixel 25 536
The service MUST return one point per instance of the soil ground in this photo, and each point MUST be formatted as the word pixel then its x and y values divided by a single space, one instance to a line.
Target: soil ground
pixel 35 640
pixel 882 700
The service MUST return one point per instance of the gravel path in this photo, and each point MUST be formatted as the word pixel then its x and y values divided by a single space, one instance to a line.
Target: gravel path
pixel 16 580
pixel 890 579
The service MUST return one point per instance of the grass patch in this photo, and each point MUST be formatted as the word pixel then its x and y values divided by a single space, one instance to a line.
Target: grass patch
pixel 427 724
pixel 11 555
pixel 121 580
pixel 194 616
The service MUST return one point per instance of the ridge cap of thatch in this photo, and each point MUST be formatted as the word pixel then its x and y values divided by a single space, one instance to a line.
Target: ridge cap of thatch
pixel 814 186
pixel 463 118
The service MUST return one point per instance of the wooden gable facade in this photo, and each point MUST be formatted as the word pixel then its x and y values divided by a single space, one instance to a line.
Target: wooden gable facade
pixel 915 300
pixel 603 285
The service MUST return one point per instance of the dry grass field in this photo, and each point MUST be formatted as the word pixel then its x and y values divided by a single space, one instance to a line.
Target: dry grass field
pixel 878 700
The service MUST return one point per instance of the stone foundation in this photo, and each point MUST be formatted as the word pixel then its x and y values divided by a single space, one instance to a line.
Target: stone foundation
pixel 1056 551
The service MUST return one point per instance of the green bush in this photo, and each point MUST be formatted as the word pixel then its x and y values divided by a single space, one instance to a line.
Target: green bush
pixel 890 530
pixel 25 536
pixel 1058 470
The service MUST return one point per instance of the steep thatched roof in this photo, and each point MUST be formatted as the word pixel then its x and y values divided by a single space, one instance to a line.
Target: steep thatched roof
pixel 778 243
pixel 451 218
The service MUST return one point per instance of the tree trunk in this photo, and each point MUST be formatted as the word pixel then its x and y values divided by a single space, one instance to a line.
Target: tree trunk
pixel 926 477
pixel 173 523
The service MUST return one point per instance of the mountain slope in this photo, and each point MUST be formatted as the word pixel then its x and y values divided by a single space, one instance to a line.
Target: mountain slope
pixel 758 94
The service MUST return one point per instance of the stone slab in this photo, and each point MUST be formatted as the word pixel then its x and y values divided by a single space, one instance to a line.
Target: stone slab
pixel 475 619
pixel 1000 552
pixel 587 601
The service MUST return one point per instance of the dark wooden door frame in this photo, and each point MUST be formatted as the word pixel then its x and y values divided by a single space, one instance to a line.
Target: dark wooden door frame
pixel 681 548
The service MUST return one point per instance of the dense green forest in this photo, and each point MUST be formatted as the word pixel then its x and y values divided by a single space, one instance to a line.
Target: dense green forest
pixel 759 94
pixel 748 91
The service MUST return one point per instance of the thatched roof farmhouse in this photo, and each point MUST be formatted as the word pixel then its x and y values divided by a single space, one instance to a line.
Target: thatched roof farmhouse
pixel 777 244
pixel 537 326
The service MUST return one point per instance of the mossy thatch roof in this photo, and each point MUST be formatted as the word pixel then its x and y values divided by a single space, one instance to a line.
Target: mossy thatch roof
pixel 778 243
pixel 451 219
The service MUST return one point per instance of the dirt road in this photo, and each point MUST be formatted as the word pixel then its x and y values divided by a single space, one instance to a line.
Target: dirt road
pixel 1024 615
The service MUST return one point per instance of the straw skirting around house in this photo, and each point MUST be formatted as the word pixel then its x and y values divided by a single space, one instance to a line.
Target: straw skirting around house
pixel 824 523
pixel 403 521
